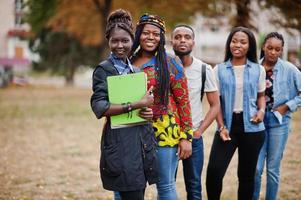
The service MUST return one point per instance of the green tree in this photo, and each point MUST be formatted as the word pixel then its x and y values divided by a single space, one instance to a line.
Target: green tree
pixel 59 51
pixel 289 12
pixel 63 54
pixel 239 12
pixel 70 33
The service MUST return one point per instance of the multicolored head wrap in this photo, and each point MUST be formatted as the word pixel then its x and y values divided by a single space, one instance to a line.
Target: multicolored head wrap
pixel 152 19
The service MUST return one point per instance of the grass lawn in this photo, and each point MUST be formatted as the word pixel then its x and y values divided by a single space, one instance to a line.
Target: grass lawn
pixel 49 149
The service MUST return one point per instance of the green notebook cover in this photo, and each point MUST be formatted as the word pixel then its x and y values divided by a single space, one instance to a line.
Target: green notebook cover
pixel 123 89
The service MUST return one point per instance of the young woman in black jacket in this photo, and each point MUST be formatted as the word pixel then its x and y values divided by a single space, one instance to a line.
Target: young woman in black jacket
pixel 128 158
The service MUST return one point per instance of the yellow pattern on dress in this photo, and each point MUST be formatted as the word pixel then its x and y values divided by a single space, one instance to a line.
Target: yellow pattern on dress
pixel 167 131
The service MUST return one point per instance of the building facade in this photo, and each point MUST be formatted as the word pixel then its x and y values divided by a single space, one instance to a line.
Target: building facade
pixel 15 55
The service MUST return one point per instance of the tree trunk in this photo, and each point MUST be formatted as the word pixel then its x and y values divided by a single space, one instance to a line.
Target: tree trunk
pixel 69 81
pixel 69 78
pixel 243 14
pixel 104 12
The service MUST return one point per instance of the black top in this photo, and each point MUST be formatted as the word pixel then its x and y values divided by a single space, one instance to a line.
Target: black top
pixel 269 98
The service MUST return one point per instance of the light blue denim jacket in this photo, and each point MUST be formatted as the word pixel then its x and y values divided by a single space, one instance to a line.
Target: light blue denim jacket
pixel 227 87
pixel 286 89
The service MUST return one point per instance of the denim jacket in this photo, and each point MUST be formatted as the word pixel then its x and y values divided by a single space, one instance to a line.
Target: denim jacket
pixel 286 87
pixel 227 87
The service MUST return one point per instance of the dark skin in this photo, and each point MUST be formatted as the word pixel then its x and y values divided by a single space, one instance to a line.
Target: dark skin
pixel 273 48
pixel 149 41
pixel 120 43
pixel 239 47
pixel 183 42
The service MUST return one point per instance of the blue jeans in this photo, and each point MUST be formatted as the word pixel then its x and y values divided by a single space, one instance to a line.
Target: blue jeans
pixel 168 163
pixel 271 153
pixel 117 196
pixel 192 168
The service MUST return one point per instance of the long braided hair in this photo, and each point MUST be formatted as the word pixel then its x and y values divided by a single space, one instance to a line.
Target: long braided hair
pixel 162 72
pixel 268 36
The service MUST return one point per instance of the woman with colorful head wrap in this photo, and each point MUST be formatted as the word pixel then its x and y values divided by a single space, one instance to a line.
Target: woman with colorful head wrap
pixel 172 118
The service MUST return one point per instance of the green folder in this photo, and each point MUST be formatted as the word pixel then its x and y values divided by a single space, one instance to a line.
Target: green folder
pixel 123 89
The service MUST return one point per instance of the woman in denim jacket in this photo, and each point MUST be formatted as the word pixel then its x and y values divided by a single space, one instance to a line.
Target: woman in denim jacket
pixel 241 83
pixel 283 88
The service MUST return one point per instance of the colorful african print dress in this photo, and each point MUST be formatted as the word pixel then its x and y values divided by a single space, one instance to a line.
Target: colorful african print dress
pixel 173 122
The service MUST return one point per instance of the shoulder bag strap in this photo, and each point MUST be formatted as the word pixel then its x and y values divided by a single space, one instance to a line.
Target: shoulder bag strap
pixel 203 80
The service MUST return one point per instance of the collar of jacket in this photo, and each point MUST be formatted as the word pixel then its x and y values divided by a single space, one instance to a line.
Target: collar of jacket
pixel 229 64
pixel 277 65
pixel 108 66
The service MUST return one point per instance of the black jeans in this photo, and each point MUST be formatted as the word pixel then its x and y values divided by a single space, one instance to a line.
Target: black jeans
pixel 249 145
pixel 132 195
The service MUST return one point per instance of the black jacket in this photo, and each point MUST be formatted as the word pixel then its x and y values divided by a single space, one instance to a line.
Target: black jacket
pixel 128 155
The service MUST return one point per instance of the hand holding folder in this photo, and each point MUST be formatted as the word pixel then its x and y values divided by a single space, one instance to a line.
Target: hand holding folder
pixel 127 88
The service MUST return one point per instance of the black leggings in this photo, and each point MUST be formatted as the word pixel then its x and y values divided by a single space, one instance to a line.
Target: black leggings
pixel 132 195
pixel 249 145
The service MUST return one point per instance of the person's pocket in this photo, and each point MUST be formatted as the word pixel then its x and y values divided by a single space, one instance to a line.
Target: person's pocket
pixel 149 153
pixel 110 162
pixel 151 162
pixel 278 116
pixel 149 144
